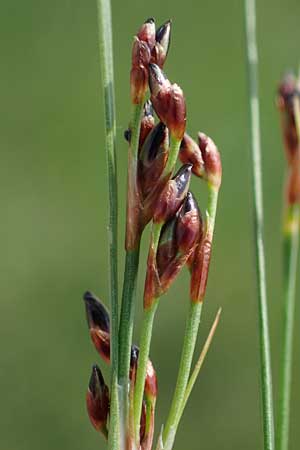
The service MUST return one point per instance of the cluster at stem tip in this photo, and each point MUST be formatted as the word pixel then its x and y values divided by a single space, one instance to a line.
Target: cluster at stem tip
pixel 160 193
pixel 288 102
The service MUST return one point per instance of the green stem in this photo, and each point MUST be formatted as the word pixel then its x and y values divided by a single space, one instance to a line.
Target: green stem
pixel 106 60
pixel 291 240
pixel 265 354
pixel 190 337
pixel 145 341
pixel 173 155
pixel 126 330
pixel 198 365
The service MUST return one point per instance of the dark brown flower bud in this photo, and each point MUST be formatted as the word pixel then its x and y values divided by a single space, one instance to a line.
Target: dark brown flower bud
pixel 189 227
pixel 147 32
pixel 97 400
pixel 200 268
pixel 287 92
pixel 190 154
pixel 99 324
pixel 152 158
pixel 167 247
pixel 139 71
pixel 168 101
pixel 162 44
pixel 212 160
pixel 147 122
pixel 173 195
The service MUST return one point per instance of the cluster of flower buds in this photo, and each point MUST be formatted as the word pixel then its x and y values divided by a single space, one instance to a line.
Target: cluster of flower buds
pixel 97 398
pixel 204 157
pixel 149 46
pixel 288 101
pixel 179 237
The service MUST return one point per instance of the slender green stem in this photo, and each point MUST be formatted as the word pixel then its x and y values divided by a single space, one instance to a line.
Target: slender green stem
pixel 126 330
pixel 129 284
pixel 290 255
pixel 198 365
pixel 145 341
pixel 265 354
pixel 106 60
pixel 190 337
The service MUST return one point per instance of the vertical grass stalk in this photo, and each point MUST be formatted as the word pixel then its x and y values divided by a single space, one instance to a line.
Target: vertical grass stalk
pixel 106 60
pixel 265 354
pixel 290 256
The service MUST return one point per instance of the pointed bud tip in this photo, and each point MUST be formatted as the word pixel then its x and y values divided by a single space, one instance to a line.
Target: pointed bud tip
pixel 189 203
pixel 150 20
pixel 96 313
pixel 96 380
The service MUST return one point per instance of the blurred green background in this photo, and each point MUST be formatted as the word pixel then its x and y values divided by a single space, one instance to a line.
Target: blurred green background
pixel 54 214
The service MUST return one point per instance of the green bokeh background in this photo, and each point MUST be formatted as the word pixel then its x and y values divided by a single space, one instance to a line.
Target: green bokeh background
pixel 54 214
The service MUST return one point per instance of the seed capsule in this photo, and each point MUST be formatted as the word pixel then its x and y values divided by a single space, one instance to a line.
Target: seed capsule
pixel 168 101
pixel 99 324
pixel 190 154
pixel 147 32
pixel 212 160
pixel 161 47
pixel 139 70
pixel 173 195
pixel 287 92
pixel 97 400
pixel 153 157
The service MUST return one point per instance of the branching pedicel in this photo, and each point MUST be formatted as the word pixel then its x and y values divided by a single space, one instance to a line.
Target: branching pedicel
pixel 180 237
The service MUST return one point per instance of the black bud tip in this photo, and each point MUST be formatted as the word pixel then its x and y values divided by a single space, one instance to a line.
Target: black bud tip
pixel 160 32
pixel 134 354
pixel 182 177
pixel 189 203
pixel 96 380
pixel 127 135
pixel 148 109
pixel 156 75
pixel 150 20
pixel 96 312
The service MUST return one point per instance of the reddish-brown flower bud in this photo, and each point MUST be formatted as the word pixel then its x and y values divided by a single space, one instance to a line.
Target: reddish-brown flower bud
pixel 143 421
pixel 99 324
pixel 162 44
pixel 200 268
pixel 168 101
pixel 152 158
pixel 190 154
pixel 139 71
pixel 147 32
pixel 173 195
pixel 293 185
pixel 97 400
pixel 150 382
pixel 287 92
pixel 189 227
pixel 167 247
pixel 212 160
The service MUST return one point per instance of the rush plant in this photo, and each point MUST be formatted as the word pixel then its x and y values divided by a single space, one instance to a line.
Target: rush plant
pixel 158 195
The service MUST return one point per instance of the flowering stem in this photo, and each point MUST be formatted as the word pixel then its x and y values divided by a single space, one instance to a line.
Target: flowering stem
pixel 106 60
pixel 290 256
pixel 145 341
pixel 190 337
pixel 129 286
pixel 265 354
pixel 291 239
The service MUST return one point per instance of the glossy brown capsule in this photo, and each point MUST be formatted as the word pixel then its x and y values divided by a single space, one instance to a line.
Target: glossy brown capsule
pixel 212 160
pixel 160 50
pixel 173 195
pixel 97 400
pixel 168 101
pixel 99 324
pixel 190 154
